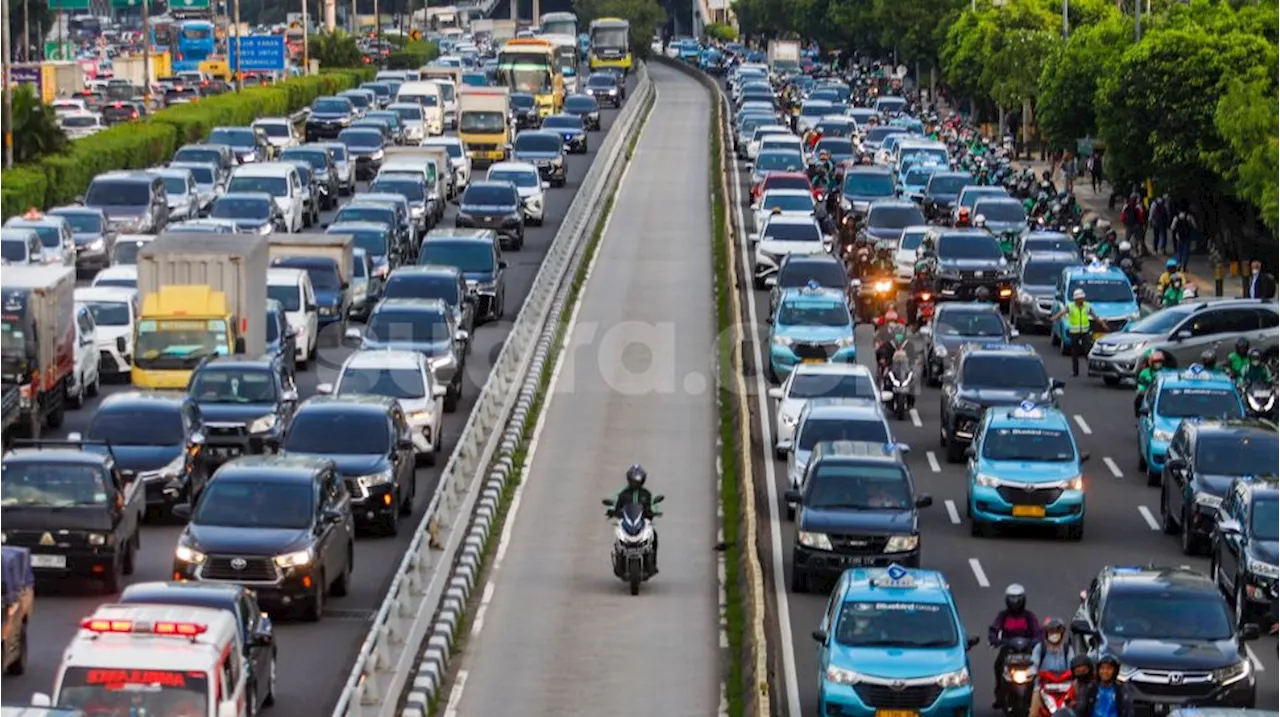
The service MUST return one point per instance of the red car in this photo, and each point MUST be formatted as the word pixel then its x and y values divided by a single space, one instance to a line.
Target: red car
pixel 782 180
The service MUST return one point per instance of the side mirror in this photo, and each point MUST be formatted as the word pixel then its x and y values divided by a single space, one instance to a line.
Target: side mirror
pixel 1230 526
pixel 820 636
pixel 658 499
pixel 197 438
pixel 502 264
pixel 971 642
pixel 1083 595
pixel 121 345
pixel 461 335
pixel 352 334
pixel 324 225
pixel 324 389
pixel 771 281
pixel 970 452
pixel 924 501
pixel 1084 457
pixel 309 308
pixel 1182 335
pixel 1081 626
pixel 331 516
pixel 751 167
pixel 607 502
pixel 239 348
pixel 75 436
pixel 289 395
pixel 1250 632
pixel 345 286
pixel 793 496
pixel 755 207
pixel 182 510
pixel 79 199
pixel 1144 411
pixel 263 639
pixel 439 391
pixel 40 699
pixel 753 237
pixel 1014 333
pixel 775 393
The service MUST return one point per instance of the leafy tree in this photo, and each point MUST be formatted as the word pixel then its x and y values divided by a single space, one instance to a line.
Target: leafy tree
pixel 1246 118
pixel 36 132
pixel 335 49
pixel 413 55
pixel 39 17
pixel 964 53
pixel 721 32
pixel 915 28
pixel 1068 82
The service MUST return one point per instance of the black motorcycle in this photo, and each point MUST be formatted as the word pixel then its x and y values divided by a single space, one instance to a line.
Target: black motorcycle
pixel 1260 399
pixel 1016 677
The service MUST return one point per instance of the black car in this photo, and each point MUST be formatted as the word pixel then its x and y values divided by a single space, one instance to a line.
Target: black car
pixel 858 508
pixel 478 255
pixel 956 324
pixel 797 271
pixel 985 376
pixel 571 129
pixel 1173 635
pixel 377 239
pixel 248 144
pixel 1243 558
pixel 253 212
pixel 862 186
pixel 257 634
pixel 435 281
pixel 886 218
pixel 329 116
pixel 380 213
pixel 367 147
pixel 586 107
pixel 1203 458
pixel 605 87
pixel 158 437
pixel 941 192
pixel 524 110
pixel 545 150
pixel 75 510
pixel 245 404
pixel 496 206
pixel 369 440
pixel 281 524
pixel 426 326
pixel 1036 283
pixel 966 260
pixel 114 113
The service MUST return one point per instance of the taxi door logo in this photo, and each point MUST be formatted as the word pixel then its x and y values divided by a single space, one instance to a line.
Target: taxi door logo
pixel 46 539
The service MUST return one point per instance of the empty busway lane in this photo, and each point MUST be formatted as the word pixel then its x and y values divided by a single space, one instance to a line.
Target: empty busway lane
pixel 1119 528
pixel 314 659
pixel 556 633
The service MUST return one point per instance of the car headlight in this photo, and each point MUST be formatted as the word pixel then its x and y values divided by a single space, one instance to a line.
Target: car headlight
pixel 783 340
pixel 417 211
pixel 817 541
pixel 901 543
pixel 1130 346
pixel 841 676
pixel 264 424
pixel 844 341
pixel 1232 673
pixel 986 481
pixel 1076 483
pixel 96 245
pixel 378 155
pixel 264 229
pixel 959 678
pixel 188 554
pixel 1262 569
pixel 98 538
pixel 372 479
pixel 1161 436
pixel 1207 500
pixel 940 351
pixel 420 417
pixel 300 559
pixel 963 404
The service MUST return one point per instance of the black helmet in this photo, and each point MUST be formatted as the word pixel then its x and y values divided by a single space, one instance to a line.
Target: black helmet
pixel 1054 626
pixel 1242 346
pixel 1082 666
pixel 1208 359
pixel 636 476
pixel 1110 660
pixel 982 294
pixel 1015 598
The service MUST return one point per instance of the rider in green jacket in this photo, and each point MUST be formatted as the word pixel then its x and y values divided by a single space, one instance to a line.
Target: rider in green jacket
pixel 1146 377
pixel 635 492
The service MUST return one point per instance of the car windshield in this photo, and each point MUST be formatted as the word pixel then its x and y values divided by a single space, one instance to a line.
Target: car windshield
pixel 118 193
pixel 580 104
pixel 482 122
pixel 247 503
pixel 1043 273
pixel 1000 211
pixel 526 142
pixel 289 295
pixel 894 217
pixel 366 213
pixel 273 129
pixel 867 184
pixel 338 150
pixel 468 257
pixel 317 158
pixel 198 155
pixel 422 286
pixel 812 314
pixel 373 241
pixel 240 208
pixel 516 177
pixel 239 137
pixel 74 121
pixel 1027 444
pixel 562 122
pixel 1004 372
pixel 108 313
pixel 880 134
pixel 828 274
pixel 388 382
pixel 1165 617
pixel 1263 525
pixel 1103 290
pixel 52 485
pixel 788 202
pixel 917 176
pixel 83 222
pixel 233 385
pixel 125 251
pixel 832 385
pixel 13 250
pixel 338 432
pixel 408 113
pixel 818 430
pixel 911 240
pixel 896 624
pixel 137 425
pixel 791 231
pixel 969 246
pixel 1177 402
pixel 948 183
pixel 453 148
pixel 359 99
pixel 523 101
pixel 1064 244
pixel 604 81
pixel 175 185
pixel 361 138
pixel 488 196
pixel 411 326
pixel 969 323
pixel 1237 456
pixel 845 485
pixel 973 196
pixel 275 186
pixel 203 173
pixel 779 162
pixel 1160 322
pixel 413 191
pixel 816 109
pixel 331 105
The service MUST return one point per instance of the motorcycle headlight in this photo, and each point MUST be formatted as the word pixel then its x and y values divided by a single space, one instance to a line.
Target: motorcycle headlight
pixel 901 543
pixel 1262 569
pixel 1161 436
pixel 187 554
pixel 372 479
pixel 1232 673
pixel 1207 500
pixel 783 340
pixel 882 287
pixel 300 559
pixel 817 541
pixel 1019 676
pixel 959 678
pixel 264 424
pixel 841 676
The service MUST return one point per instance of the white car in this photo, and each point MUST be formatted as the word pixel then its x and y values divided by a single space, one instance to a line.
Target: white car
pixel 529 185
pixel 781 202
pixel 86 378
pixel 120 275
pixel 280 132
pixel 292 288
pixel 783 235
pixel 81 124
pixel 413 119
pixel 279 179
pixel 809 381
pixel 181 192
pixel 63 107
pixel 753 146
pixel 458 159
pixel 125 249
pixel 780 141
pixel 904 257
pixel 405 376
pixel 114 310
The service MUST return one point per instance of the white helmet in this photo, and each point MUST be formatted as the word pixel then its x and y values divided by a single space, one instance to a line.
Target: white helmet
pixel 980 220
pixel 1077 294
pixel 1124 247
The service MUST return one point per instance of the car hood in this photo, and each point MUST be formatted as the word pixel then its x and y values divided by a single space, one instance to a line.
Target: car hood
pixel 1032 471
pixel 780 248
pixel 247 541
pixel 1162 423
pixel 942 199
pixel 857 522
pixel 352 464
pixel 529 155
pixel 1183 655
pixel 235 412
pixel 478 277
pixel 884 232
pixel 814 334
pixel 1264 550
pixel 83 238
pixel 1041 291
pixel 1001 396
pixel 898 663
pixel 106 335
pixel 1125 337
pixel 1109 310
pixel 116 214
pixel 326 116
pixel 792 406
pixel 865 198
pixel 250 223
pixel 144 458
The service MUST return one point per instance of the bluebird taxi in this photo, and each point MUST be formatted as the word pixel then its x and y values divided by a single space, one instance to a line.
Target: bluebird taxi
pixel 812 325
pixel 1176 396
pixel 1107 290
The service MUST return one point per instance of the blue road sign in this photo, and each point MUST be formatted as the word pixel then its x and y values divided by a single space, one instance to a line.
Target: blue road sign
pixel 262 53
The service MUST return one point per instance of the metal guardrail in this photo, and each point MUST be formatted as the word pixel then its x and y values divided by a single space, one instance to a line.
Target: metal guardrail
pixel 440 567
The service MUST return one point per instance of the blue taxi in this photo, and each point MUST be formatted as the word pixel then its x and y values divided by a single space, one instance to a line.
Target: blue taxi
pixel 1024 468
pixel 1106 289
pixel 812 324
pixel 891 643
pixel 1176 395
pixel 914 176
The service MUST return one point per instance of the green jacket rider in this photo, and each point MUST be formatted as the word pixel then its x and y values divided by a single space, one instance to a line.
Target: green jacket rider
pixel 1147 376
pixel 1256 371
pixel 635 492
pixel 1173 294
pixel 1238 360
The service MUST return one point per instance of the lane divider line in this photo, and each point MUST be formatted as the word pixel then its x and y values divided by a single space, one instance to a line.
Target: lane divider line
pixel 915 419
pixel 952 513
pixel 1084 427
pixel 478 624
pixel 455 695
pixel 1147 516
pixel 1253 659
pixel 978 573
pixel 933 462
pixel 1111 466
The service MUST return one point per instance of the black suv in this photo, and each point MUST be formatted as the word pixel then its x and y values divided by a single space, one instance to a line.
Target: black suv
pixel 956 324
pixel 496 206
pixel 1243 557
pixel 426 326
pixel 328 117
pixel 941 192
pixel 797 270
pixel 75 510
pixel 1173 635
pixel 988 375
pixel 1204 456
pixel 281 525
pixel 477 253
pixel 968 259
pixel 435 281
pixel 857 508
pixel 245 403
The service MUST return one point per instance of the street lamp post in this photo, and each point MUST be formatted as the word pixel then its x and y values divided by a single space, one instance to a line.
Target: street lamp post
pixel 236 69
pixel 1066 22
pixel 146 54
pixel 7 55
pixel 306 44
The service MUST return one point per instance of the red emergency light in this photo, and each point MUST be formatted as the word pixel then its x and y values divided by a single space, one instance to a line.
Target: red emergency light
pixel 183 629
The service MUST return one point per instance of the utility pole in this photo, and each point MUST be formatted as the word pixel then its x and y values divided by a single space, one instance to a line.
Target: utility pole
pixel 306 40
pixel 235 10
pixel 8 54
pixel 146 54
pixel 1066 22
pixel 26 32
pixel 1137 21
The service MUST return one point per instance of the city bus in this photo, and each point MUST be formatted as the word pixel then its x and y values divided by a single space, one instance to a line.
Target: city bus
pixel 531 65
pixel 566 47
pixel 610 44
pixel 195 43
pixel 559 23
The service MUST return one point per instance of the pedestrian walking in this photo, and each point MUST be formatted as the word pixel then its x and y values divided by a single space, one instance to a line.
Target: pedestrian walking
pixel 1184 231
pixel 1134 220
pixel 1259 285
pixel 1079 336
pixel 1159 217
pixel 1069 171
pixel 1095 171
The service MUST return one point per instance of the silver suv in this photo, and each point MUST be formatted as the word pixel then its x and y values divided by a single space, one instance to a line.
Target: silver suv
pixel 1184 332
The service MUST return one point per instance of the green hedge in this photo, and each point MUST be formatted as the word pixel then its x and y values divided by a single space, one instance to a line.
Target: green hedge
pixel 59 179
pixel 413 55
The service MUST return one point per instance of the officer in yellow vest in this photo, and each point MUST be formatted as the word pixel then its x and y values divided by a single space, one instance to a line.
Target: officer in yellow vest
pixel 1079 336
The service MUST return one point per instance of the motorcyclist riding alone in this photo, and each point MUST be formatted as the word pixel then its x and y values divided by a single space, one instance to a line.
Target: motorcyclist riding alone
pixel 1257 371
pixel 1238 360
pixel 1146 377
pixel 1051 661
pixel 1015 620
pixel 1081 676
pixel 636 493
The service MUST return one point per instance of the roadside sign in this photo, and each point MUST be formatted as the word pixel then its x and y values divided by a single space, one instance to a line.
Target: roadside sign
pixel 258 53
pixel 415 35
pixel 69 5
pixel 28 76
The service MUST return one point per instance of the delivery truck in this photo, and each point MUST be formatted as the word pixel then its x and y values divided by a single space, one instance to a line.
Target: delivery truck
pixel 202 295
pixel 784 56
pixel 327 260
pixel 484 123
pixel 38 311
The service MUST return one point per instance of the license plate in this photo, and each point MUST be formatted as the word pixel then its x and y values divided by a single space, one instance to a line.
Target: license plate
pixel 1097 364
pixel 226 451
pixel 1028 511
pixel 977 274
pixel 896 713
pixel 815 360
pixel 56 562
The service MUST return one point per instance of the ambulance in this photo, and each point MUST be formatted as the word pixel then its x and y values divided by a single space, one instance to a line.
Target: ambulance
pixel 169 660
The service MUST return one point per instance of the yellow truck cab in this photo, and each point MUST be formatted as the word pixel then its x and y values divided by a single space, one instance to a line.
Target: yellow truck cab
pixel 484 123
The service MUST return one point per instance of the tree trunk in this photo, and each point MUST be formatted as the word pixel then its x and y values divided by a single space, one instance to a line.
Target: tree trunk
pixel 1026 124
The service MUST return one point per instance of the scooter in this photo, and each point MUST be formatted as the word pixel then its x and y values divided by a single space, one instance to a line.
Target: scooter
pixel 1015 687
pixel 1260 399
pixel 634 541
pixel 1054 689
pixel 897 384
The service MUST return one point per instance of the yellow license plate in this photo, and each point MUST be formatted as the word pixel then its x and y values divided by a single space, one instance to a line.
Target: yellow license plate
pixel 1028 511
pixel 896 713
pixel 815 361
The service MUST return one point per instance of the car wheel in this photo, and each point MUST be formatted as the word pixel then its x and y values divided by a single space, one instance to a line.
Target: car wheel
pixel 92 389
pixel 977 528
pixel 406 503
pixel 19 664
pixel 113 581
pixel 342 585
pixel 131 553
pixel 1166 521
pixel 1189 544
pixel 1241 604
pixel 314 610
pixel 451 400
pixel 270 698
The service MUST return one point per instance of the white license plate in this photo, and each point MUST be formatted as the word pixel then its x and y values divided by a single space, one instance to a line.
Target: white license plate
pixel 56 562
pixel 226 452
pixel 977 274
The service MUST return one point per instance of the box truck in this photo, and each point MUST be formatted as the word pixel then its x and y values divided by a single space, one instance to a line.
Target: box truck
pixel 37 305
pixel 484 123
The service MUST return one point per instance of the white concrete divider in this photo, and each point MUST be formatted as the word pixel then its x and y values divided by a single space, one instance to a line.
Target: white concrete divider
pixel 425 602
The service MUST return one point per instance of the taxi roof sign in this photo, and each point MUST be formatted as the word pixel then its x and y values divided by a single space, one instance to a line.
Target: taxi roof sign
pixel 1097 266
pixel 1027 409
pixel 895 576
pixel 1196 371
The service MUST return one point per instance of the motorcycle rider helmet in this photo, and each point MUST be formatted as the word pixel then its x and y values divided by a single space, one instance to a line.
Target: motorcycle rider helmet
pixel 982 294
pixel 1055 630
pixel 636 476
pixel 980 221
pixel 1171 265
pixel 1255 357
pixel 1112 661
pixel 964 214
pixel 1176 280
pixel 1082 667
pixel 1156 359
pixel 1126 264
pixel 1209 359
pixel 1242 346
pixel 1102 226
pixel 1124 247
pixel 1015 598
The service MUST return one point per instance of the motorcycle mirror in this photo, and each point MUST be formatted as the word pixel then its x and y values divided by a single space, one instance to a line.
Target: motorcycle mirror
pixel 607 502
pixel 924 501
pixel 970 452
pixel 1081 626
pixel 1250 632
pixel 1084 457
pixel 971 642
pixel 793 496
pixel 1014 333
pixel 658 499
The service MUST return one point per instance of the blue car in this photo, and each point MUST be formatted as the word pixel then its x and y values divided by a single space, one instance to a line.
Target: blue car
pixel 811 325
pixel 913 178
pixel 1024 469
pixel 1174 396
pixel 1107 290
pixel 891 643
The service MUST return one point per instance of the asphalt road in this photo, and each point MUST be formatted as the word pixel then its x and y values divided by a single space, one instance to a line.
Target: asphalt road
pixel 556 633
pixel 1121 524
pixel 314 660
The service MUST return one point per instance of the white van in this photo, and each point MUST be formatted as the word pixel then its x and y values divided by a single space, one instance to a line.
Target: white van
pixel 449 98
pixel 86 377
pixel 114 310
pixel 292 288
pixel 279 179
pixel 428 95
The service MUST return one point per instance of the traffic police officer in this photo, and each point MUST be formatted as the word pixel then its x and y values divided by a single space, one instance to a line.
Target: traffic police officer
pixel 1080 318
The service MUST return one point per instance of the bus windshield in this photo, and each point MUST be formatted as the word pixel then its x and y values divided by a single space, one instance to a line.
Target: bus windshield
pixel 609 38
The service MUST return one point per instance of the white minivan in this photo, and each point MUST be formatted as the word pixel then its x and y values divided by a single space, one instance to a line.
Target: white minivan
pixel 86 378
pixel 114 310
pixel 279 179
pixel 292 288
pixel 428 95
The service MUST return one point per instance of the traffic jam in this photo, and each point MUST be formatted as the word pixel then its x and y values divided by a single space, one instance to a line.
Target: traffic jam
pixel 227 379
pixel 1020 439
